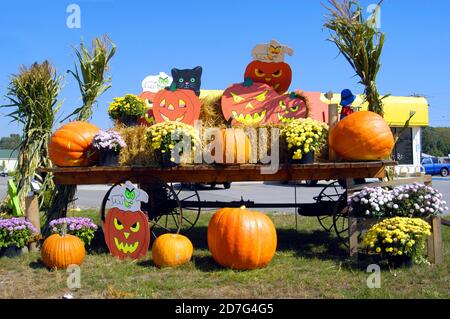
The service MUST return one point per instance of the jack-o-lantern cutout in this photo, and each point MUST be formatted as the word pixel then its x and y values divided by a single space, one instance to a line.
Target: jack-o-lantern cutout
pixel 126 227
pixel 246 103
pixel 277 74
pixel 287 107
pixel 147 119
pixel 178 105
pixel 127 233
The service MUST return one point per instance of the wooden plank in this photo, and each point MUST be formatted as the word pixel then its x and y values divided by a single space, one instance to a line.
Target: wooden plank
pixel 435 241
pixel 216 173
pixel 353 238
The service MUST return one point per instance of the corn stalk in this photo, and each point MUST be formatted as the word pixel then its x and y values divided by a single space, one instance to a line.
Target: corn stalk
pixel 360 42
pixel 91 76
pixel 32 94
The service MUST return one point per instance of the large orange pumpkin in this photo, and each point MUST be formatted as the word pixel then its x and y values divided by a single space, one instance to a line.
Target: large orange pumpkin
pixel 276 74
pixel 61 251
pixel 239 153
pixel 241 239
pixel 171 250
pixel 71 145
pixel 362 136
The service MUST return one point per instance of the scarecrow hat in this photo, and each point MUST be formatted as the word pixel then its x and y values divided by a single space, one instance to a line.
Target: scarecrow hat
pixel 347 97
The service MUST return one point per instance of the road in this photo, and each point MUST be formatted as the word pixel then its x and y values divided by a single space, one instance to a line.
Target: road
pixel 91 196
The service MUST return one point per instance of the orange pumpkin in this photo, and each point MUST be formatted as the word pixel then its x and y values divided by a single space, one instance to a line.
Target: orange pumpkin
pixel 178 105
pixel 362 136
pixel 241 239
pixel 71 145
pixel 61 251
pixel 171 250
pixel 277 74
pixel 237 154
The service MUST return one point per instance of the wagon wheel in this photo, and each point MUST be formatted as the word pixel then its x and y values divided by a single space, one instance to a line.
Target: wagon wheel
pixel 330 193
pixel 340 220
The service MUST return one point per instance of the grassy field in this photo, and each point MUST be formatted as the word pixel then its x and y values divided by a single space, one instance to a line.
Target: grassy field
pixel 309 263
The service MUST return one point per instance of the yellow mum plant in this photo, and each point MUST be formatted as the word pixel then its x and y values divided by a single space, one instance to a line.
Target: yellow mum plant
pixel 128 105
pixel 398 236
pixel 165 136
pixel 304 135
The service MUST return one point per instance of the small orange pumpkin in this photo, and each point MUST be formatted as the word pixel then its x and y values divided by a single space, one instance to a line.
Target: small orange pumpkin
pixel 240 154
pixel 71 145
pixel 277 74
pixel 61 251
pixel 242 239
pixel 171 250
pixel 362 136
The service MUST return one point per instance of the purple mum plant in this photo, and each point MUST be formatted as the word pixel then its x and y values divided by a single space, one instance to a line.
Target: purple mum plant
pixel 108 140
pixel 82 227
pixel 15 232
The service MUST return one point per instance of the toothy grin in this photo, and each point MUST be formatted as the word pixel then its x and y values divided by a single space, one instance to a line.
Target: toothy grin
pixel 283 119
pixel 249 119
pixel 126 248
pixel 166 119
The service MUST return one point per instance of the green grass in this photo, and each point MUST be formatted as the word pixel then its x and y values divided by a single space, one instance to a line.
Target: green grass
pixel 309 263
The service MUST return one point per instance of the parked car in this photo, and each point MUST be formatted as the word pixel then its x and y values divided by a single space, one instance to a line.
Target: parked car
pixel 433 167
pixel 3 173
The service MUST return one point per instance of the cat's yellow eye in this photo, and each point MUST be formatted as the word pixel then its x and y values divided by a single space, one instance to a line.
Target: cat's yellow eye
pixel 117 224
pixel 237 98
pixel 282 105
pixel 277 74
pixel 135 227
pixel 294 108
pixel 261 97
pixel 163 103
pixel 182 103
pixel 259 73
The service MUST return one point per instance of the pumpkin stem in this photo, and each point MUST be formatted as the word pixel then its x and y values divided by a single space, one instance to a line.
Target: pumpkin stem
pixel 64 230
pixel 173 87
pixel 292 95
pixel 248 82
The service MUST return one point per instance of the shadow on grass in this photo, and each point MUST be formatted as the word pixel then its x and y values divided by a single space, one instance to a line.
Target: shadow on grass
pixel 38 264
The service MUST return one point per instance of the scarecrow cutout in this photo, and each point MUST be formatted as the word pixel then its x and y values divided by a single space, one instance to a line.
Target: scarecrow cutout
pixel 271 52
pixel 126 227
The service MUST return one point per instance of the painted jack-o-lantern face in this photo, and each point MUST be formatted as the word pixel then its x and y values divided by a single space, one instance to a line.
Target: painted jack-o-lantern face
pixel 176 105
pixel 127 233
pixel 277 74
pixel 246 103
pixel 287 107
pixel 147 119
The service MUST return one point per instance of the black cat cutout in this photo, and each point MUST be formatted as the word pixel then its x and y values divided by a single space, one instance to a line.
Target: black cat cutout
pixel 188 79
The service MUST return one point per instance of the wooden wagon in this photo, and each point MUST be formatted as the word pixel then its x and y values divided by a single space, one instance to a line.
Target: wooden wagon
pixel 169 197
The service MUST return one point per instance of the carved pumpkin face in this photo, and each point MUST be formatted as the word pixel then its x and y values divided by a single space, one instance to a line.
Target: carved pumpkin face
pixel 287 107
pixel 277 74
pixel 176 105
pixel 127 233
pixel 147 119
pixel 246 103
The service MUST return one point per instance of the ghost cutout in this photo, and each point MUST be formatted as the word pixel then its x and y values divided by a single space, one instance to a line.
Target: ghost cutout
pixel 155 83
pixel 128 197
pixel 271 52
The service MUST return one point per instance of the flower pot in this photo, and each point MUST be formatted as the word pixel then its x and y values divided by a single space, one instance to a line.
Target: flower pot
pixel 307 158
pixel 165 160
pixel 400 261
pixel 129 120
pixel 109 158
pixel 12 252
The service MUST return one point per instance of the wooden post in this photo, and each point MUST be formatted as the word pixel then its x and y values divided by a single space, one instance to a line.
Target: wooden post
pixel 332 121
pixel 435 241
pixel 32 215
pixel 353 238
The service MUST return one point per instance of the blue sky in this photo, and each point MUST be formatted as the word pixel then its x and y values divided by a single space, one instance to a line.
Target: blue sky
pixel 153 36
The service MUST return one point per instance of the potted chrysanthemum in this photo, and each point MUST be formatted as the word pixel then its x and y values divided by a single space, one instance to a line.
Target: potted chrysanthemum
pixel 81 227
pixel 127 109
pixel 15 235
pixel 164 137
pixel 109 143
pixel 304 137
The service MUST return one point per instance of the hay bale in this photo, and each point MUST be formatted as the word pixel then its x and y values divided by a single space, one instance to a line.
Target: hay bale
pixel 137 152
pixel 211 112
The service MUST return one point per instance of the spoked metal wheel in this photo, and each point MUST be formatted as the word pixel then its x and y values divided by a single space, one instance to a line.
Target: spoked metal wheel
pixel 189 199
pixel 330 193
pixel 340 220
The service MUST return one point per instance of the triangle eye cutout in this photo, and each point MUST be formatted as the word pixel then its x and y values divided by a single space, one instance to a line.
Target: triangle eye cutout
pixel 181 103
pixel 262 96
pixel 163 103
pixel 237 98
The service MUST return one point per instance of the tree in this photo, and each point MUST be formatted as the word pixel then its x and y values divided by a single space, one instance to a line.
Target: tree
pixel 10 142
